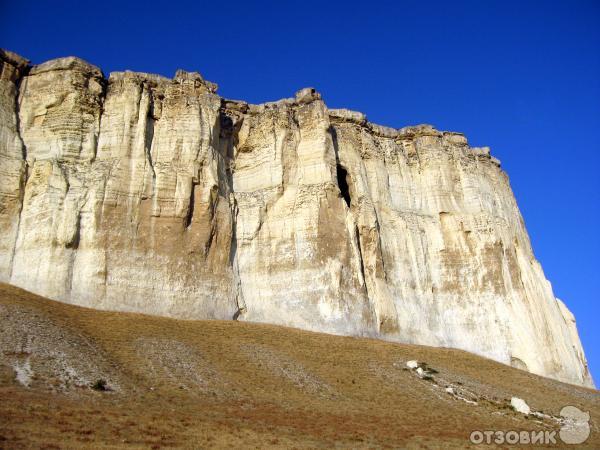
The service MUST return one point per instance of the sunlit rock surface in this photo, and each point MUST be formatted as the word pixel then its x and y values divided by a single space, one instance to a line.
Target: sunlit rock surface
pixel 142 193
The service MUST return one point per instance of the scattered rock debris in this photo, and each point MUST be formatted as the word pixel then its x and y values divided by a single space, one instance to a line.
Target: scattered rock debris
pixel 458 391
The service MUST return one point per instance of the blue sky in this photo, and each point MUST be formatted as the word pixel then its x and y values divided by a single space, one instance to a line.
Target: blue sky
pixel 520 76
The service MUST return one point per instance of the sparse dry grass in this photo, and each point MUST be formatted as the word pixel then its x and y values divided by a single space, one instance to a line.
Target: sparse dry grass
pixel 197 384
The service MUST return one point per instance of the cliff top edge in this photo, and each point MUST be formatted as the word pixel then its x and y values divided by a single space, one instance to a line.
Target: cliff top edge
pixel 302 96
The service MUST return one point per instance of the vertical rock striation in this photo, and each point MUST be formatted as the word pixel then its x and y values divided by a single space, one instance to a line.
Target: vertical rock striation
pixel 12 158
pixel 141 193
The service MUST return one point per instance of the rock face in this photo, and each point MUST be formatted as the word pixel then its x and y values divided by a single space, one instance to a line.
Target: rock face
pixel 141 193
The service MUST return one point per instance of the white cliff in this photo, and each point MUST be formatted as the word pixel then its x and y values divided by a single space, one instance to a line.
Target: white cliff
pixel 141 193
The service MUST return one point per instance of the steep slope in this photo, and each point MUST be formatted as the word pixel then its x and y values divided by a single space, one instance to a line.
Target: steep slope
pixel 225 383
pixel 141 193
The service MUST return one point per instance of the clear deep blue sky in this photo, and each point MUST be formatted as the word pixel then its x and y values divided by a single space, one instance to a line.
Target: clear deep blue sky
pixel 520 76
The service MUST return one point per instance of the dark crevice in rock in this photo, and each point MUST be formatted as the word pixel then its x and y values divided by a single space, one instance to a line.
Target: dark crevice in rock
pixel 148 141
pixel 342 173
pixel 233 246
pixel 342 176
pixel 102 99
pixel 231 117
pixel 149 138
pixel 233 260
pixel 73 245
pixel 214 200
pixel 190 212
pixel 18 83
pixel 360 259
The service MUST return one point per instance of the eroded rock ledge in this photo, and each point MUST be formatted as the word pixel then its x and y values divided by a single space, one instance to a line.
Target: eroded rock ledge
pixel 142 193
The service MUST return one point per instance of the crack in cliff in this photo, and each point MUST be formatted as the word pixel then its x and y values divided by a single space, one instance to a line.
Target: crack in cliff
pixel 341 172
pixel 360 259
pixel 73 246
pixel 342 177
pixel 187 222
pixel 102 98
pixel 227 140
pixel 214 200
pixel 344 187
pixel 233 258
pixel 18 83
pixel 24 177
pixel 149 134
pixel 148 142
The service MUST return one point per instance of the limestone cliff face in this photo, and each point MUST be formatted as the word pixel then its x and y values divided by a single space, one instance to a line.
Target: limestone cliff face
pixel 141 193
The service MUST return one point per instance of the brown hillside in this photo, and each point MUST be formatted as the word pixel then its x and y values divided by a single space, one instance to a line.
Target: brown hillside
pixel 192 384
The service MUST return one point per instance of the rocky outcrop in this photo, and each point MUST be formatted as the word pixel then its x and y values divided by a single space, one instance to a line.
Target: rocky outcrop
pixel 142 193
pixel 12 157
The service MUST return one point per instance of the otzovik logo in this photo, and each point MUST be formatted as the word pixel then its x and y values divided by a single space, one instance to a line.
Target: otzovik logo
pixel 574 429
pixel 576 426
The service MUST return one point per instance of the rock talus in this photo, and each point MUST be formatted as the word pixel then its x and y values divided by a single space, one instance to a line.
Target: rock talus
pixel 141 193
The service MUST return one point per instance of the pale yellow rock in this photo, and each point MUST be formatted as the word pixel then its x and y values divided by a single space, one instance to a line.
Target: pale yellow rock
pixel 154 195
pixel 12 161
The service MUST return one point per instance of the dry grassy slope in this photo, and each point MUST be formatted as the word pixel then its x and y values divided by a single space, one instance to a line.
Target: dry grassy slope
pixel 211 383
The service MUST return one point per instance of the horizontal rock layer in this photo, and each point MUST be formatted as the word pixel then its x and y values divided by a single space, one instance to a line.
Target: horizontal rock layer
pixel 142 193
